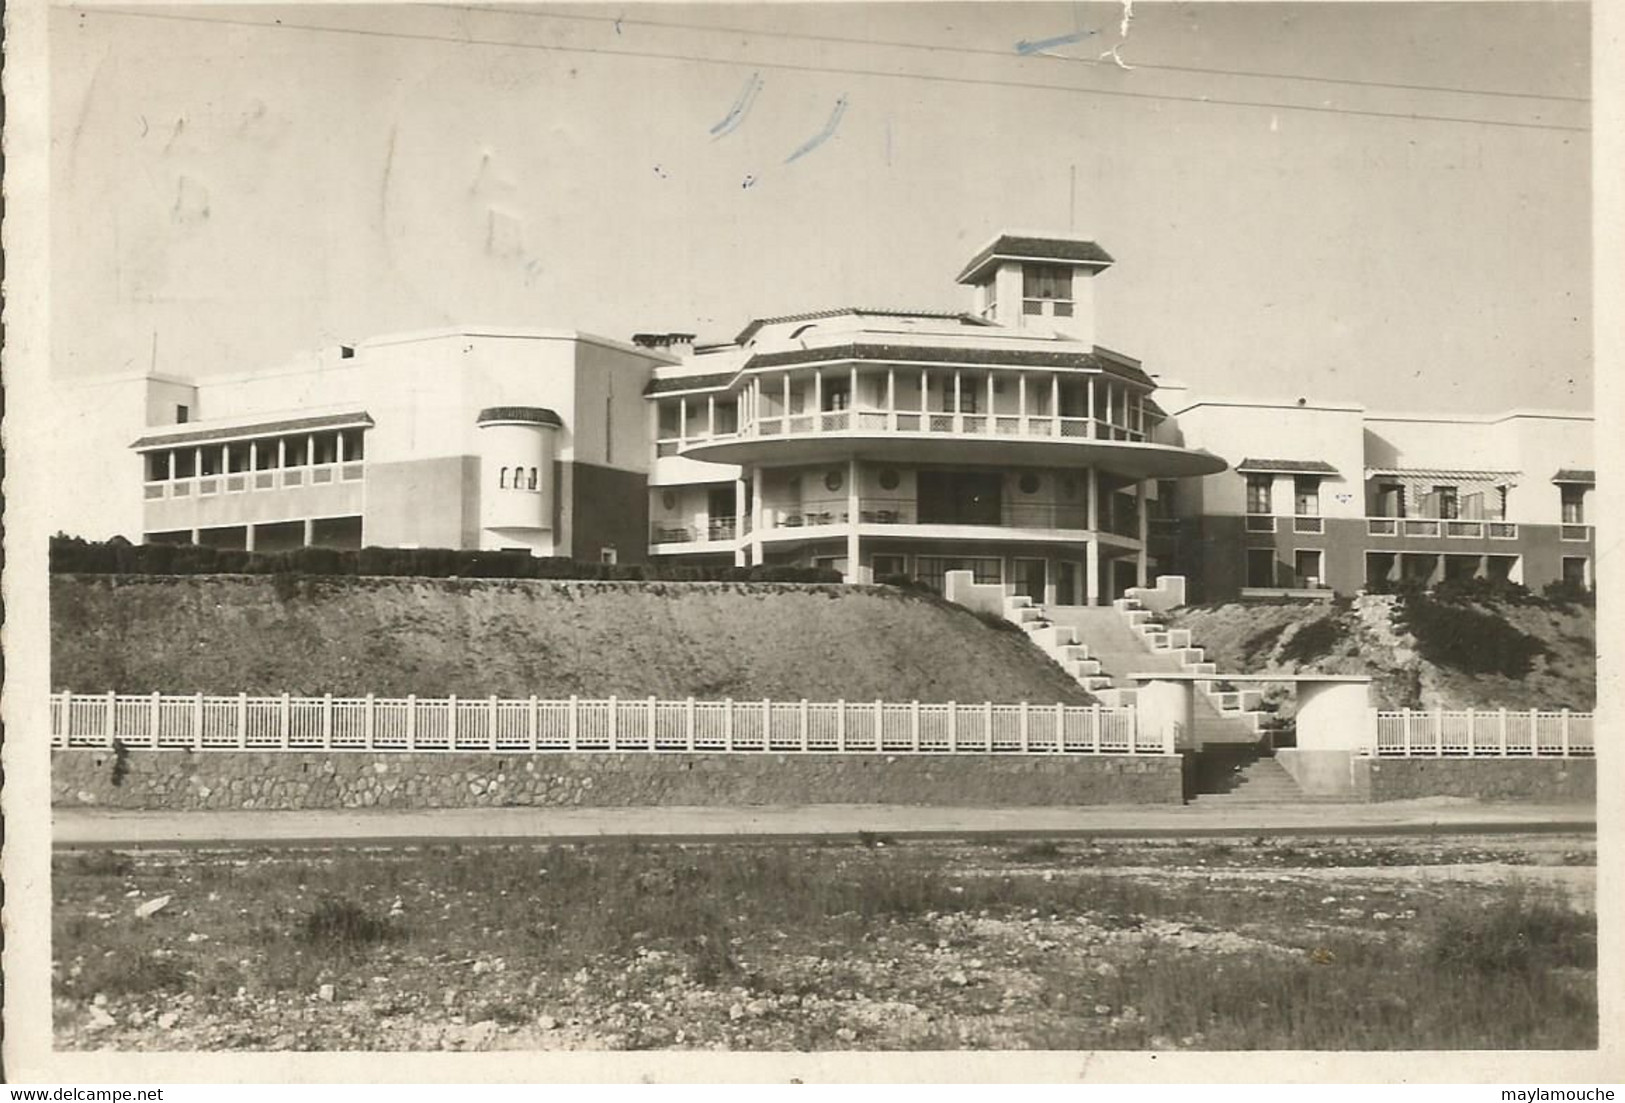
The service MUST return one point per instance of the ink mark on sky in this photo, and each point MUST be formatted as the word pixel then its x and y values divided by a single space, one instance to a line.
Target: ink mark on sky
pixel 1025 47
pixel 741 107
pixel 823 135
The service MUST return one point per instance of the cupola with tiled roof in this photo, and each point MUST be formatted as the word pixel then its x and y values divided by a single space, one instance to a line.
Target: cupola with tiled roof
pixel 1037 281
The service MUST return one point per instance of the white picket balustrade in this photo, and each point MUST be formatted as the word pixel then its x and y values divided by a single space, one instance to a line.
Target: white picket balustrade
pixel 1483 733
pixel 491 724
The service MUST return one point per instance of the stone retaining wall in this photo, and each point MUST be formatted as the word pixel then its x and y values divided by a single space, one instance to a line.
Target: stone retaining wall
pixel 178 780
pixel 1556 780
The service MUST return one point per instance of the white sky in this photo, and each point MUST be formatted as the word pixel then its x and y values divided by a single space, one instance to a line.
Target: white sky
pixel 229 190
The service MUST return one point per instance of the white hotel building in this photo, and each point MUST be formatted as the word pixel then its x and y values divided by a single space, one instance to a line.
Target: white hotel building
pixel 878 442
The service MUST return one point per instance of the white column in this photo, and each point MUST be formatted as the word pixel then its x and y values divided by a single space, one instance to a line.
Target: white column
pixel 818 397
pixel 248 536
pixel 682 421
pixel 169 463
pixel 854 572
pixel 197 462
pixel 756 511
pixel 957 395
pixel 1021 401
pixel 1143 566
pixel 990 414
pixel 338 446
pixel 310 532
pixel 253 461
pixel 711 415
pixel 1091 572
pixel 891 398
pixel 1091 411
pixel 786 390
pixel 852 398
pixel 281 452
pixel 739 519
pixel 925 392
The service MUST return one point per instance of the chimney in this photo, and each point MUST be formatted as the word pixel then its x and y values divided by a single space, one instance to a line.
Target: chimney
pixel 677 344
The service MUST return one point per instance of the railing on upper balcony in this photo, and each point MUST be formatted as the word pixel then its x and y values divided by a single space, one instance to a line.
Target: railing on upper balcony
pixel 238 482
pixel 1442 527
pixel 905 511
pixel 854 420
pixel 714 531
pixel 1574 532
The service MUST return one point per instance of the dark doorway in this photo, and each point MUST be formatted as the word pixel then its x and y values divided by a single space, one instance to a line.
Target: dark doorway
pixel 1030 579
pixel 720 503
pixel 960 497
pixel 1261 566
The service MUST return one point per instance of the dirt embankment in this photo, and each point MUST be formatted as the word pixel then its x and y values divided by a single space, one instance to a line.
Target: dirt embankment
pixel 1446 655
pixel 434 637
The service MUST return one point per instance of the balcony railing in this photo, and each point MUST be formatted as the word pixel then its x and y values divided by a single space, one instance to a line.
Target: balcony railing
pixel 936 422
pixel 239 482
pixel 1306 525
pixel 1260 522
pixel 906 511
pixel 1445 528
pixel 1574 532
pixel 716 530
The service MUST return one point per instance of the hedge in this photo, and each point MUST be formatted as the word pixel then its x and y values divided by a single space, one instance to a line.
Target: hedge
pixel 72 555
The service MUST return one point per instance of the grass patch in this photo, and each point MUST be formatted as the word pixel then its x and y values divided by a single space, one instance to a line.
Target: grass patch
pixel 1044 850
pixel 776 946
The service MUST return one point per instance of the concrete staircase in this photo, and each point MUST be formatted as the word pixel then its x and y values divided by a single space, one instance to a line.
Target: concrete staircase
pixel 1129 638
pixel 1235 774
pixel 1100 646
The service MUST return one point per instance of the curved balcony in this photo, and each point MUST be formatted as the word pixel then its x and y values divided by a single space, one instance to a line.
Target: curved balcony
pixel 921 436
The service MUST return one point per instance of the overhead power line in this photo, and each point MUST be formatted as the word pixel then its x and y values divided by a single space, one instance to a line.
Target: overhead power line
pixel 655 55
pixel 984 51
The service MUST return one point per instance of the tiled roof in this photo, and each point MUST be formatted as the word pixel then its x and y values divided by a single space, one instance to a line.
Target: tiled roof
pixel 1575 475
pixel 259 429
pixel 1289 467
pixel 676 383
pixel 835 312
pixel 539 415
pixel 935 354
pixel 1448 474
pixel 1041 248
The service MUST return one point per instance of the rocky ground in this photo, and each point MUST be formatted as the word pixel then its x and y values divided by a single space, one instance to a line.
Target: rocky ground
pixel 868 944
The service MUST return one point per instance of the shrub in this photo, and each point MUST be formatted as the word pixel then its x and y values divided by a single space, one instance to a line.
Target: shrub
pixel 72 555
pixel 1467 591
pixel 1568 593
pixel 1262 641
pixel 1519 933
pixel 1469 640
pixel 344 924
pixel 1314 640
pixel 995 620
